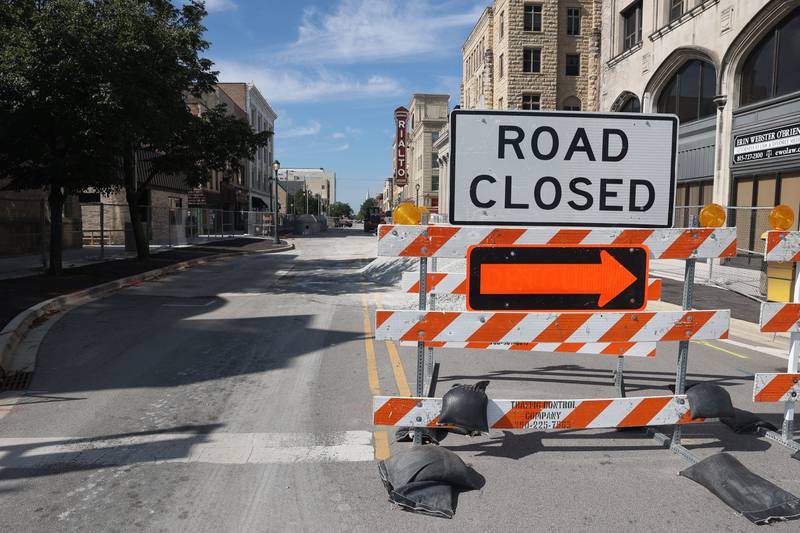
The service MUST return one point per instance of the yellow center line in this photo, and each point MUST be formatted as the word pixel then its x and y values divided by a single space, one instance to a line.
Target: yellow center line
pixel 721 349
pixel 399 371
pixel 381 437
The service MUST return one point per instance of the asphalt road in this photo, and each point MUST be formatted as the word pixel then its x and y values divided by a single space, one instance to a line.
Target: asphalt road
pixel 236 397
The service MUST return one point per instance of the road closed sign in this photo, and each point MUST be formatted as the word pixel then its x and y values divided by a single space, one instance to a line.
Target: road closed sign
pixel 524 168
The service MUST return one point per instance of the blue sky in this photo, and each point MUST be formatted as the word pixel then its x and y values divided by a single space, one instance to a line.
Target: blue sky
pixel 335 70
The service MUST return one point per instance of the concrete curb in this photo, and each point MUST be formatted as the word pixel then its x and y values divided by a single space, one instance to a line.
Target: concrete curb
pixel 14 332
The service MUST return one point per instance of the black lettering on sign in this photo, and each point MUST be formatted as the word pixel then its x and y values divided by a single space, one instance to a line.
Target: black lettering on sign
pixel 623 150
pixel 651 196
pixel 606 194
pixel 584 146
pixel 508 203
pixel 503 140
pixel 537 193
pixel 473 191
pixel 573 187
pixel 535 143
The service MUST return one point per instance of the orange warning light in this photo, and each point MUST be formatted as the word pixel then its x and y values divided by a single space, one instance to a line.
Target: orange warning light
pixel 406 213
pixel 781 217
pixel 712 216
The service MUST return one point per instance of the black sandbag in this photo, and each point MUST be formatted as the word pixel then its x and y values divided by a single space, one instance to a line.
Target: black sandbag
pixel 428 479
pixel 464 406
pixel 429 435
pixel 796 455
pixel 746 422
pixel 759 500
pixel 709 400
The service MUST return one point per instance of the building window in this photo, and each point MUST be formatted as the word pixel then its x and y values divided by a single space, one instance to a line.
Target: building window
pixel 532 17
pixel 631 105
pixel 675 10
pixel 530 102
pixel 573 21
pixel 499 103
pixel 770 69
pixel 572 104
pixel 500 66
pixel 632 26
pixel 434 160
pixel 690 92
pixel 573 65
pixel 502 24
pixel 531 60
pixel 435 182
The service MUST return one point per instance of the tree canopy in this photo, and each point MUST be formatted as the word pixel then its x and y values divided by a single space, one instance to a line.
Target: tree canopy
pixel 368 204
pixel 341 209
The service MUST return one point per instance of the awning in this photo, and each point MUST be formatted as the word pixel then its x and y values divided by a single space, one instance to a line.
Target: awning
pixel 258 203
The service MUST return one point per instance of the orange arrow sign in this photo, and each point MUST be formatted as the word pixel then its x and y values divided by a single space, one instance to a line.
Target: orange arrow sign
pixel 607 278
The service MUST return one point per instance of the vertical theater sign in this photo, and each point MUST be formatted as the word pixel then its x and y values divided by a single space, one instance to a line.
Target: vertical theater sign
pixel 400 171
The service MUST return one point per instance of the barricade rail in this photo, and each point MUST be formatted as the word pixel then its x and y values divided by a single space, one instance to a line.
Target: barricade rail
pixel 627 349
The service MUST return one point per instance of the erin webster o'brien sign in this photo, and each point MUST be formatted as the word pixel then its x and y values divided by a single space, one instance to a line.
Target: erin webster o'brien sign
pixel 776 142
pixel 400 171
pixel 527 168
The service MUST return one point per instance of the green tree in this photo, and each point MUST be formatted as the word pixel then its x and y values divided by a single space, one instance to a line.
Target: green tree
pixel 54 108
pixel 300 203
pixel 341 209
pixel 368 204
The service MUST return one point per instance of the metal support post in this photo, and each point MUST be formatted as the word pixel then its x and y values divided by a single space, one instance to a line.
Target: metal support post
pixel 431 360
pixel 423 277
pixel 619 378
pixel 683 346
pixel 102 231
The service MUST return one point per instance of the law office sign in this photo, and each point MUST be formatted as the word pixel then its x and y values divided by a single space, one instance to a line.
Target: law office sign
pixel 777 142
pixel 526 168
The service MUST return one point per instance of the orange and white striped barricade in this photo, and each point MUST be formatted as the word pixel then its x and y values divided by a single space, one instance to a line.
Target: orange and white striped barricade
pixel 544 414
pixel 780 317
pixel 618 349
pixel 564 330
pixel 455 283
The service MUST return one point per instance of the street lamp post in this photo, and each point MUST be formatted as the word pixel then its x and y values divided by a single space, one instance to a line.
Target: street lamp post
pixel 417 188
pixel 276 166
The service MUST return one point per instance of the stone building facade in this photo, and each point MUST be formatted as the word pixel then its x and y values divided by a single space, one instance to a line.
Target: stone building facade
pixel 427 114
pixel 728 69
pixel 227 193
pixel 533 55
pixel 316 181
pixel 261 118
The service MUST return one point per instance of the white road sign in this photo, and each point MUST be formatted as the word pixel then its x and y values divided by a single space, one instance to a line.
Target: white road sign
pixel 531 168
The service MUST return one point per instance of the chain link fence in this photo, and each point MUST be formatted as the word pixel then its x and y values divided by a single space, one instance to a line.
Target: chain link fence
pixel 746 273
pixel 106 229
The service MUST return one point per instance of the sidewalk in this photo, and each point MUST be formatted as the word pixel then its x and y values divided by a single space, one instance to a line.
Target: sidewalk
pixel 20 293
pixel 742 280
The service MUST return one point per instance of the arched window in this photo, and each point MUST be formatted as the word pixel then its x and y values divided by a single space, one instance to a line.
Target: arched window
pixel 571 104
pixel 690 92
pixel 771 68
pixel 631 105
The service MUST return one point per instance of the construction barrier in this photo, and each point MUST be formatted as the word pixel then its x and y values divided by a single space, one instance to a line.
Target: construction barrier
pixel 779 317
pixel 544 414
pixel 456 283
pixel 627 349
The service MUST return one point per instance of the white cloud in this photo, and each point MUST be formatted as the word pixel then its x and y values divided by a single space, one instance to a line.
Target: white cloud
pixel 305 86
pixel 313 128
pixel 374 30
pixel 341 148
pixel 220 5
pixel 338 135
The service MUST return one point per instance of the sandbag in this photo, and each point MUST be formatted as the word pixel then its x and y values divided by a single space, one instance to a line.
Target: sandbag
pixel 796 455
pixel 427 480
pixel 464 407
pixel 746 422
pixel 759 500
pixel 709 400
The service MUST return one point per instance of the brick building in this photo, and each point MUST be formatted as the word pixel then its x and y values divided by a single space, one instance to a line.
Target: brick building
pixel 533 55
pixel 227 193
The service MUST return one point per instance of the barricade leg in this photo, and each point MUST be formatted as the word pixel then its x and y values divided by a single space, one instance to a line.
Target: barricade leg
pixel 683 347
pixel 619 378
pixel 423 278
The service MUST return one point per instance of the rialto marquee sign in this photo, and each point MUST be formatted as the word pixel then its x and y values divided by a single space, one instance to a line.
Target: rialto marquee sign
pixel 400 167
pixel 526 168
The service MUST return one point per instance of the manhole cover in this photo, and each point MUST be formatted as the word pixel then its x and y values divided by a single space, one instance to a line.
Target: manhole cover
pixel 18 381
